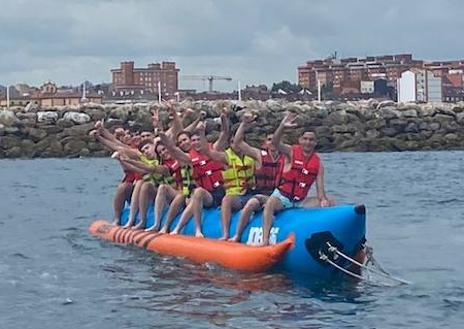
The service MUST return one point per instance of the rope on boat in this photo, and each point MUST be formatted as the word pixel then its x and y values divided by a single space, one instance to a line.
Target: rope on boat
pixel 380 272
pixel 325 258
pixel 335 253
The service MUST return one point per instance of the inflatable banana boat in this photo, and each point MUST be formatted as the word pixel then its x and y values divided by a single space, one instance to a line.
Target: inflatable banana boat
pixel 300 239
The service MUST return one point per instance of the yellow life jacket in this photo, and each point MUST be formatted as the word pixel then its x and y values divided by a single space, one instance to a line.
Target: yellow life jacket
pixel 155 178
pixel 188 183
pixel 239 176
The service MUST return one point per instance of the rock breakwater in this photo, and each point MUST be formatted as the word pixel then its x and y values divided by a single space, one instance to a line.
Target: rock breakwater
pixel 352 126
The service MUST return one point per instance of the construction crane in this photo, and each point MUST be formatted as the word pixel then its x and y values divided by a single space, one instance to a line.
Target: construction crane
pixel 209 78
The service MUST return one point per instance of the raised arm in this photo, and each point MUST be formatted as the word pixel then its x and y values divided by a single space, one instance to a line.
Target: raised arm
pixel 320 187
pixel 193 126
pixel 162 170
pixel 239 139
pixel 210 151
pixel 287 122
pixel 221 143
pixel 176 123
pixel 175 152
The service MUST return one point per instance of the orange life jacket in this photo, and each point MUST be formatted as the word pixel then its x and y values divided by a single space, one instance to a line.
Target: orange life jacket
pixel 269 175
pixel 296 182
pixel 174 169
pixel 206 172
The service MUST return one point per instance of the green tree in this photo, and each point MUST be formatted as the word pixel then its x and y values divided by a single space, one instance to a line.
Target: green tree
pixel 286 86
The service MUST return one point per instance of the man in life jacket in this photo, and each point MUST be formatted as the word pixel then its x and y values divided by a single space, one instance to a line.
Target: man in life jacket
pixel 239 180
pixel 145 189
pixel 120 142
pixel 206 173
pixel 302 168
pixel 269 166
pixel 173 196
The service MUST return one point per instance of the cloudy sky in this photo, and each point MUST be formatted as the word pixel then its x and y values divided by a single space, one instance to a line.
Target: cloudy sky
pixel 254 41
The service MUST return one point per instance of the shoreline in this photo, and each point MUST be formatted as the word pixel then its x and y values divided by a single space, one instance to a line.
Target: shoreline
pixel 362 126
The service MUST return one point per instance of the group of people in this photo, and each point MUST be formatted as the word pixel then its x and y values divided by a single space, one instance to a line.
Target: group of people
pixel 177 168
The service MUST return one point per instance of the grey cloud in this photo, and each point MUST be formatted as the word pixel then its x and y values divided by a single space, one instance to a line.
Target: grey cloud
pixel 255 41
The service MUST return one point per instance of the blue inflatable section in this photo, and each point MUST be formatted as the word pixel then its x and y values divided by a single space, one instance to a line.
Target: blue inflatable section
pixel 342 226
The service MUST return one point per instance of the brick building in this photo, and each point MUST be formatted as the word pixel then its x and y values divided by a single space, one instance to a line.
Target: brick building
pixel 347 73
pixel 129 80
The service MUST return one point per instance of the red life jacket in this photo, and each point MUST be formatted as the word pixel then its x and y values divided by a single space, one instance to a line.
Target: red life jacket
pixel 174 169
pixel 206 172
pixel 296 182
pixel 268 176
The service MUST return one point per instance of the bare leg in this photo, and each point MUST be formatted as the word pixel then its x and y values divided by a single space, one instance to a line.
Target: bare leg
pixel 251 206
pixel 272 205
pixel 164 196
pixel 228 204
pixel 122 194
pixel 200 196
pixel 134 204
pixel 186 214
pixel 147 194
pixel 173 210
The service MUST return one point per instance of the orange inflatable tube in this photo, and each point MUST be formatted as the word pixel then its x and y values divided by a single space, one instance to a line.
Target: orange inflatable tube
pixel 232 255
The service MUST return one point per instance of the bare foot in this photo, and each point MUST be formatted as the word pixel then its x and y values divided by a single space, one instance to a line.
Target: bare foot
pixel 115 221
pixel 235 238
pixel 198 234
pixel 164 230
pixel 223 238
pixel 128 225
pixel 139 226
pixel 152 228
pixel 175 232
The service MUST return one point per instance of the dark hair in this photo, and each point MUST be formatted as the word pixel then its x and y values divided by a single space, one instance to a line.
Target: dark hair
pixel 156 148
pixel 184 132
pixel 145 142
pixel 307 130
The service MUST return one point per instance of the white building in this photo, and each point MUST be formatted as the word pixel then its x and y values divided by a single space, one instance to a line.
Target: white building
pixel 367 87
pixel 416 85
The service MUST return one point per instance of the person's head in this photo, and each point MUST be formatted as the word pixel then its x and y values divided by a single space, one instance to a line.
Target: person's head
pixel 146 135
pixel 184 141
pixel 119 132
pixel 195 140
pixel 148 149
pixel 308 141
pixel 162 151
pixel 267 143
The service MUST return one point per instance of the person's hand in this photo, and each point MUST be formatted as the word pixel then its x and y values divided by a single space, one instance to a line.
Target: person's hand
pixel 248 117
pixel 188 111
pixel 93 133
pixel 155 117
pixel 201 126
pixel 289 120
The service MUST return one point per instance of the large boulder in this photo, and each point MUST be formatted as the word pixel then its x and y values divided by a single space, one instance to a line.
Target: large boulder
pixel 8 118
pixel 35 134
pixel 76 117
pixel 47 117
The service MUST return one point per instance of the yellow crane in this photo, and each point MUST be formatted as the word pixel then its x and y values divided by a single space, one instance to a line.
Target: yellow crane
pixel 209 78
